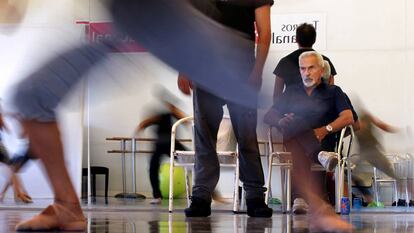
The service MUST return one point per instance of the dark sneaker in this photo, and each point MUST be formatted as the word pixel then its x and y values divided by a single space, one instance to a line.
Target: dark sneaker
pixel 329 160
pixel 258 208
pixel 401 202
pixel 411 203
pixel 198 208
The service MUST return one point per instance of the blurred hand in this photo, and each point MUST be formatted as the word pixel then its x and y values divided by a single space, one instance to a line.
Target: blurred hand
pixel 320 133
pixel 184 84
pixel 284 122
pixel 255 80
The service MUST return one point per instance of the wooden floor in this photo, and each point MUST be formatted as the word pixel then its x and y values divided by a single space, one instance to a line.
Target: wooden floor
pixel 119 216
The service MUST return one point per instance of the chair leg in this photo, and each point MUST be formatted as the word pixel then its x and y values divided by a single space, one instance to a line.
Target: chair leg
pixel 375 186
pixel 269 178
pixel 236 202
pixel 187 186
pixel 106 187
pixel 395 193
pixel 171 191
pixel 288 190
pixel 283 188
pixel 407 199
pixel 84 187
pixel 337 191
pixel 93 185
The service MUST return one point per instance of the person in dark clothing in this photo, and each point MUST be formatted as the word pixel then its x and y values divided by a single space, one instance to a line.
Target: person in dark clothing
pixel 308 115
pixel 163 122
pixel 287 70
pixel 288 75
pixel 240 16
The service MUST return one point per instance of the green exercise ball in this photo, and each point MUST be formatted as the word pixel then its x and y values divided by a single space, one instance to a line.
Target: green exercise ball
pixel 175 227
pixel 178 180
pixel 375 204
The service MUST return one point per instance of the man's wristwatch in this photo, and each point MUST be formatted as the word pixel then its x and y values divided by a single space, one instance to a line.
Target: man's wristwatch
pixel 329 128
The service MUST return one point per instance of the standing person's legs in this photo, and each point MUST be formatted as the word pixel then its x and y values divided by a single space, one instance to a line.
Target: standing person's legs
pixel 155 168
pixel 20 194
pixel 65 213
pixel 244 121
pixel 208 113
pixel 34 101
pixel 161 148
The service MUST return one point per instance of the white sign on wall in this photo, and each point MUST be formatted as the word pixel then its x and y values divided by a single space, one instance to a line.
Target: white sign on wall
pixel 284 30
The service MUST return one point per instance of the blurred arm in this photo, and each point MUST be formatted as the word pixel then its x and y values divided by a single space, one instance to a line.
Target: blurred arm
pixel 262 16
pixel 147 122
pixel 278 89
pixel 184 84
pixel 382 125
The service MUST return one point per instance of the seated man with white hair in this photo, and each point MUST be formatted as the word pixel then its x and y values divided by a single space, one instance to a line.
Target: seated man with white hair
pixel 308 115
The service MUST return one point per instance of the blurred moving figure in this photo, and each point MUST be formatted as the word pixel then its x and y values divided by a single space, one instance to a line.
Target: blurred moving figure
pixel 213 56
pixel 12 12
pixel 14 165
pixel 370 148
pixel 371 151
pixel 163 120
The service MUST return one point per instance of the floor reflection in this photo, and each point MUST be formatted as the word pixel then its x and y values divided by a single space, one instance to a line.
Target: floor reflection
pixel 224 221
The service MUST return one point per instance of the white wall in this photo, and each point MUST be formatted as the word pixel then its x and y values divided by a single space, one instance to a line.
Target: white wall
pixel 369 46
pixel 370 43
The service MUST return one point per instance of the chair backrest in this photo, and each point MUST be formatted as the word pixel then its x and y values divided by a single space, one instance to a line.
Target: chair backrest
pixel 345 141
pixel 226 140
pixel 271 143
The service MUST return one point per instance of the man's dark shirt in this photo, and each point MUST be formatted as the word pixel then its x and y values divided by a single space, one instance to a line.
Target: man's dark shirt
pixel 354 114
pixel 236 14
pixel 288 67
pixel 322 107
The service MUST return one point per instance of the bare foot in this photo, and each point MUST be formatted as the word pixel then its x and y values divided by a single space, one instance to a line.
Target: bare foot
pixel 22 197
pixel 54 217
pixel 329 223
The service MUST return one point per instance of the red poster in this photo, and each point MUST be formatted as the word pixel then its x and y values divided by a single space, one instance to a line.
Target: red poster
pixel 96 32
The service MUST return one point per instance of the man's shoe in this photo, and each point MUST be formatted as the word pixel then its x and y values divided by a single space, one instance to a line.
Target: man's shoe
pixel 329 160
pixel 300 206
pixel 257 208
pixel 198 208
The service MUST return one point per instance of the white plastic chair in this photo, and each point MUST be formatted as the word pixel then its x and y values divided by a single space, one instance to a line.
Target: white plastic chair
pixel 401 168
pixel 285 164
pixel 190 164
pixel 344 162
